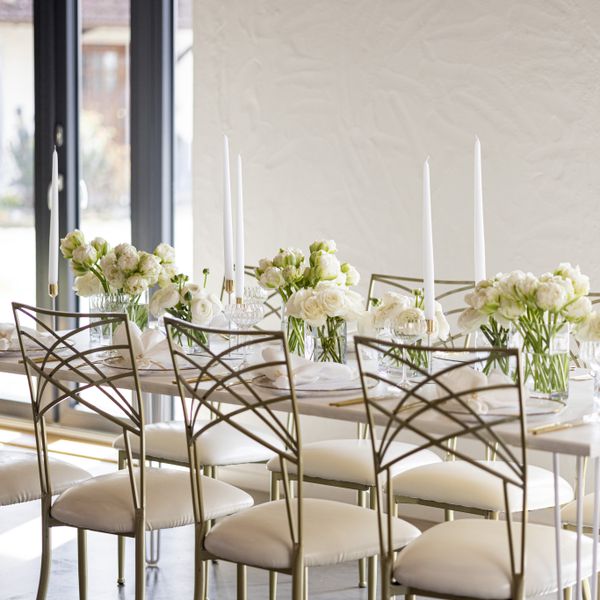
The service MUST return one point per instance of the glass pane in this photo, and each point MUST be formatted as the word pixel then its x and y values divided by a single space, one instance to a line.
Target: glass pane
pixel 17 233
pixel 183 100
pixel 104 120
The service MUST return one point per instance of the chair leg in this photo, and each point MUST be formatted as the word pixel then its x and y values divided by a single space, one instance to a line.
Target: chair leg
pixel 46 559
pixel 298 574
pixel 586 591
pixel 82 563
pixel 140 560
pixel 362 563
pixel 241 582
pixel 372 560
pixel 448 515
pixel 305 584
pixel 121 539
pixel 273 574
pixel 567 593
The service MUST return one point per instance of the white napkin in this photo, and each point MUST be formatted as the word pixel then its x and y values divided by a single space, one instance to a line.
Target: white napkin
pixel 483 401
pixel 9 340
pixel 150 348
pixel 304 371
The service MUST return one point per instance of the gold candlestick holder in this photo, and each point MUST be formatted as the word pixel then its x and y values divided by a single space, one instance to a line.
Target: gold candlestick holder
pixel 228 286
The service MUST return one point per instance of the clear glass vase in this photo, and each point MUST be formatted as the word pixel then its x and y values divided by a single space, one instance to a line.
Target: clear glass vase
pixel 295 332
pixel 329 341
pixel 546 366
pixel 136 308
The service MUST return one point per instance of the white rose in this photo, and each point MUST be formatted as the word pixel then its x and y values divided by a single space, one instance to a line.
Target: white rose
pixel 354 306
pixel 271 279
pixel 202 310
pixel 551 296
pixel 135 284
pixel 85 255
pixel 149 267
pixel 164 298
pixel 87 285
pixel 167 272
pixel 165 253
pixel 391 304
pixel 589 328
pixel 332 299
pixel 471 320
pixel 312 311
pixel 578 309
pixel 293 306
pixel 127 258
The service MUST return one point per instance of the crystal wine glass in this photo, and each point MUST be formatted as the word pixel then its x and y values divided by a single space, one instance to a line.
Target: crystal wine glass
pixel 245 316
pixel 407 330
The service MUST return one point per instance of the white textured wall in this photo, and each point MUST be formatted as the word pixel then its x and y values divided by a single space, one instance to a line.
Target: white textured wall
pixel 334 105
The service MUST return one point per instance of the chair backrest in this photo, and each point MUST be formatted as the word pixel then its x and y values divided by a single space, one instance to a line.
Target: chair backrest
pixel 575 343
pixel 61 367
pixel 215 377
pixel 273 303
pixel 452 397
pixel 449 293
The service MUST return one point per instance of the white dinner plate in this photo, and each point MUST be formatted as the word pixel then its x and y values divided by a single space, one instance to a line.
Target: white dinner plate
pixel 118 362
pixel 534 407
pixel 327 386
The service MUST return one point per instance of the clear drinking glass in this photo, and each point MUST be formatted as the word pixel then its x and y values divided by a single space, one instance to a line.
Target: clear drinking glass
pixel 589 354
pixel 245 316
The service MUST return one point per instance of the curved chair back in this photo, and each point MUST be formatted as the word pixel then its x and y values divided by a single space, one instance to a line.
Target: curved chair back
pixel 215 377
pixel 273 303
pixel 446 401
pixel 61 367
pixel 449 293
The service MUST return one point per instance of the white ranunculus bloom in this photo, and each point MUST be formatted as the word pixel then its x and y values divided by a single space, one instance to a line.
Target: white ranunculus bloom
pixel 352 275
pixel 292 274
pixel 527 286
pixel 579 309
pixel 135 284
pixel 442 326
pixel 202 310
pixel 509 283
pixel 149 267
pixel 165 253
pixel 328 246
pixel 471 320
pixel 285 258
pixel 327 267
pixel 189 291
pixel 127 260
pixel 264 264
pixel 164 298
pixel 580 282
pixel 312 311
pixel 333 300
pixel 87 285
pixel 167 272
pixel 272 279
pixel 85 255
pixel 551 295
pixel 410 321
pixel 72 240
pixel 589 328
pixel 293 306
pixel 355 306
pixel 510 308
pixel 101 246
pixel 366 324
pixel 391 304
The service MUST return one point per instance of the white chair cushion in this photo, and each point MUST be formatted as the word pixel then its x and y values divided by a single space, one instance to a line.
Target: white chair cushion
pixel 569 512
pixel 105 503
pixel 219 445
pixel 20 476
pixel 463 484
pixel 470 557
pixel 352 460
pixel 334 532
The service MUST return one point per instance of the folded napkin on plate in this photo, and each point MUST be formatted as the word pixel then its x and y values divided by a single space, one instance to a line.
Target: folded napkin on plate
pixel 459 381
pixel 150 348
pixel 304 371
pixel 9 339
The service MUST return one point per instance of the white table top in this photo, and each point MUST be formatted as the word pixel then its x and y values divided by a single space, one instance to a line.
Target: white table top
pixel 582 440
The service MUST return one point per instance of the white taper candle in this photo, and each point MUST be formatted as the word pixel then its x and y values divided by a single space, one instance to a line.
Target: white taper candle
pixel 239 234
pixel 54 234
pixel 428 272
pixel 479 231
pixel 227 216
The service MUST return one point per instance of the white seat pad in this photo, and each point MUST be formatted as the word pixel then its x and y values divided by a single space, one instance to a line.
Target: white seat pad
pixel 105 503
pixel 463 484
pixel 470 557
pixel 20 476
pixel 352 460
pixel 334 532
pixel 569 512
pixel 219 445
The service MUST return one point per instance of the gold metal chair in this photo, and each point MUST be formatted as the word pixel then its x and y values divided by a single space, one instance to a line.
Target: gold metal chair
pixel 467 558
pixel 285 536
pixel 129 501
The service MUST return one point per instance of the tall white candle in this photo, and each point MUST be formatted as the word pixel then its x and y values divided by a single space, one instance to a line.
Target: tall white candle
pixel 428 274
pixel 239 234
pixel 227 223
pixel 478 234
pixel 54 235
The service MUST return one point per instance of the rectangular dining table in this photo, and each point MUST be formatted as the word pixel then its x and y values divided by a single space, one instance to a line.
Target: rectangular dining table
pixel 581 442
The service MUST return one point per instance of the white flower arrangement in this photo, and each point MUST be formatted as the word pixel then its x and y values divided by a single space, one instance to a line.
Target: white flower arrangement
pixel 123 269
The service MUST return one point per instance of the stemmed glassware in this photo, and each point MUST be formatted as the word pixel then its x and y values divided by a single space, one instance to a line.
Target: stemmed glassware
pixel 407 332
